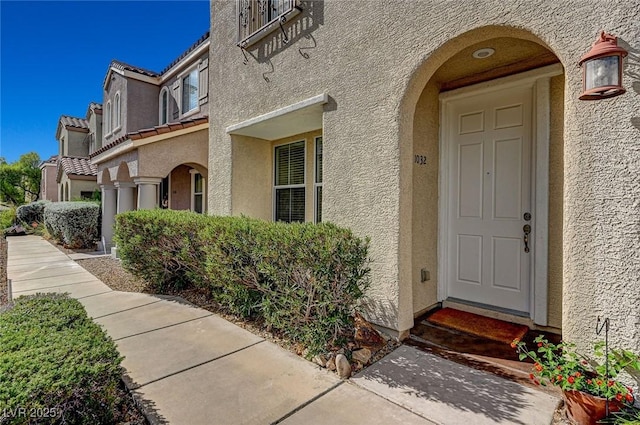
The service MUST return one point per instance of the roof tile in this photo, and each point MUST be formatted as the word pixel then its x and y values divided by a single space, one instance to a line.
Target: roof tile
pixel 78 166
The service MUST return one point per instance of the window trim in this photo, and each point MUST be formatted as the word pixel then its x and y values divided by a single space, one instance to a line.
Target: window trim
pixel 117 110
pixel 316 184
pixel 165 90
pixel 289 186
pixel 180 80
pixel 193 173
pixel 108 116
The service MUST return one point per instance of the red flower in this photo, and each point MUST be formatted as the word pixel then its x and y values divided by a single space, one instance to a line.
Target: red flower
pixel 559 367
pixel 571 379
pixel 598 382
pixel 629 398
pixel 578 374
pixel 535 381
pixel 589 381
pixel 630 390
pixel 538 367
pixel 539 344
pixel 559 378
pixel 619 397
pixel 610 384
pixel 514 343
pixel 531 376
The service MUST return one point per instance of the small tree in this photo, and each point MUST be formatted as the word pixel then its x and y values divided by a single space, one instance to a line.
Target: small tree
pixel 20 180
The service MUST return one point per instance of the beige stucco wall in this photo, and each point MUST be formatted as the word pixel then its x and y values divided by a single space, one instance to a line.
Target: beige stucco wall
pixel 48 185
pixel 77 186
pixel 374 63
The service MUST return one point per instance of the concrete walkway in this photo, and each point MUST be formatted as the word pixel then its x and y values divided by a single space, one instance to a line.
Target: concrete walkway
pixel 189 366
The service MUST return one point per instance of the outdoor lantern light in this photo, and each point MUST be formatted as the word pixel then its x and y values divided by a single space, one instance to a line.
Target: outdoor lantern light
pixel 602 69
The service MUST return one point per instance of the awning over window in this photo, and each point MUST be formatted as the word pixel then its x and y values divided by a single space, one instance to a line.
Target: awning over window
pixel 294 119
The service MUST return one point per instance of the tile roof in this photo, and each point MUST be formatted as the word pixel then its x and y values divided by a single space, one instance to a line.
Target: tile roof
pixel 78 166
pixel 126 67
pixel 148 132
pixel 184 54
pixel 68 121
pixel 52 160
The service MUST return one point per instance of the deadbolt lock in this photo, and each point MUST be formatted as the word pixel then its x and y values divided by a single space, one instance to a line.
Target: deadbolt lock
pixel 527 216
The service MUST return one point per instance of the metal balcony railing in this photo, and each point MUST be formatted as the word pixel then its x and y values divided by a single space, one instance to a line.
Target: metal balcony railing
pixel 257 18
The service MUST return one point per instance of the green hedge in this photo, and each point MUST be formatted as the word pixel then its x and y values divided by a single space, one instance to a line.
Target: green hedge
pixel 74 224
pixel 56 363
pixel 33 212
pixel 304 280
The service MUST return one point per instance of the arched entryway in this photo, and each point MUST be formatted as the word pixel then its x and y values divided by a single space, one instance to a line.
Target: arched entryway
pixel 487 141
pixel 184 188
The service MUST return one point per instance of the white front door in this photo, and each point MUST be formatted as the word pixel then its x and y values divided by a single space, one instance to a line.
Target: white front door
pixel 489 180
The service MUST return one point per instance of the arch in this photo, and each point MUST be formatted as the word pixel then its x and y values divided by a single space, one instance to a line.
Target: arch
pixel 104 177
pixel 123 174
pixel 448 67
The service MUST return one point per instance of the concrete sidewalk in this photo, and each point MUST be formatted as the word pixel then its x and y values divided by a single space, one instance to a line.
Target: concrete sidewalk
pixel 191 367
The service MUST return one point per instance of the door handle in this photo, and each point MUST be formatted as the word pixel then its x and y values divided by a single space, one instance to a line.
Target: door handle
pixel 527 230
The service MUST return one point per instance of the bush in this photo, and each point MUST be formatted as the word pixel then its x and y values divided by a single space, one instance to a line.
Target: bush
pixel 303 280
pixel 58 362
pixel 33 212
pixel 74 224
pixel 7 218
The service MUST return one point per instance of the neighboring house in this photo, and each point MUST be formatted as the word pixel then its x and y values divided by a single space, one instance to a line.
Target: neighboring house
pixel 440 130
pixel 48 183
pixel 155 137
pixel 75 175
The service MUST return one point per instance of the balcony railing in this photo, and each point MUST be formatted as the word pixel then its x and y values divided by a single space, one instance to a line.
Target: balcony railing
pixel 257 18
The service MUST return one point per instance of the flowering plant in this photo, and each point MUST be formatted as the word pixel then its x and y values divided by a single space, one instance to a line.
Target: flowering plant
pixel 561 365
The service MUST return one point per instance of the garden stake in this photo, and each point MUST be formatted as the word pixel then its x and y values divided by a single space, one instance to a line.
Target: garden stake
pixel 599 327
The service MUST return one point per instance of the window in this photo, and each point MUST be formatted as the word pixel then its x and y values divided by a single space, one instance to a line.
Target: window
pixel 116 101
pixel 107 124
pixel 257 18
pixel 318 181
pixel 190 91
pixel 164 106
pixel 197 192
pixel 289 182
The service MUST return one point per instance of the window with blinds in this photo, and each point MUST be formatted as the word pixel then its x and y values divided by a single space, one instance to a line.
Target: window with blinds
pixel 190 91
pixel 318 181
pixel 289 182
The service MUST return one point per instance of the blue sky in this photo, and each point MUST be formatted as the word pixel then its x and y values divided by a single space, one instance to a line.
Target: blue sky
pixel 54 56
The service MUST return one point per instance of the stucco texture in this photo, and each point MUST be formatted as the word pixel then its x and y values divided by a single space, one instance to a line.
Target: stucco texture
pixel 376 63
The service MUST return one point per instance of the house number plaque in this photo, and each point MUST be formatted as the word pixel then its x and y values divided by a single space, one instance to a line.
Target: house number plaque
pixel 420 159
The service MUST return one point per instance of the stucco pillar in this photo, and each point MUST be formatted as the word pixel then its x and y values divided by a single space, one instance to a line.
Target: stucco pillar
pixel 125 196
pixel 147 192
pixel 109 208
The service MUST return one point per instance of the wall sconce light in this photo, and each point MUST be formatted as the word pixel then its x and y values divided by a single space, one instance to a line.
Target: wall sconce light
pixel 602 69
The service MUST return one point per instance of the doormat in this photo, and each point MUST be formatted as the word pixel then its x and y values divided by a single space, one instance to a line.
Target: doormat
pixel 474 324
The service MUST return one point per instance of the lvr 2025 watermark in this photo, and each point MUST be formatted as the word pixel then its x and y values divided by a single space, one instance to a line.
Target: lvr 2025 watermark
pixel 34 413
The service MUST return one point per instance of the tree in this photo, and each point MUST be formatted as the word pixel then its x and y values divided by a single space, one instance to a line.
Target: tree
pixel 20 180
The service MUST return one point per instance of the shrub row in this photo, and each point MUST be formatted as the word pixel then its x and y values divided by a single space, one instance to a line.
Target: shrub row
pixel 56 363
pixel 74 224
pixel 303 280
pixel 33 212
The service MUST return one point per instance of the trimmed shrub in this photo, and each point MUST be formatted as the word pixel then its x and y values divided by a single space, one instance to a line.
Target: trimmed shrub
pixel 7 218
pixel 57 362
pixel 33 212
pixel 74 224
pixel 303 280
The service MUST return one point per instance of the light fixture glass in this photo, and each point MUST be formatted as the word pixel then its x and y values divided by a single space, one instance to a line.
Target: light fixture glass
pixel 483 53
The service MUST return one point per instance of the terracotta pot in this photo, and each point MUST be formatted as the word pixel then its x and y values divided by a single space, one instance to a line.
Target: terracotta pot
pixel 586 409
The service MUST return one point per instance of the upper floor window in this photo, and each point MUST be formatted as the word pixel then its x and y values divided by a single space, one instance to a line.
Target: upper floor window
pixel 108 117
pixel 190 91
pixel 164 106
pixel 289 182
pixel 116 117
pixel 259 17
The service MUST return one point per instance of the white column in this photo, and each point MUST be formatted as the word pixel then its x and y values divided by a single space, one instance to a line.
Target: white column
pixel 125 196
pixel 147 192
pixel 109 208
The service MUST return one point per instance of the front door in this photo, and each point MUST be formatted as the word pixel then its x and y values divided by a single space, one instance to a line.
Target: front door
pixel 489 181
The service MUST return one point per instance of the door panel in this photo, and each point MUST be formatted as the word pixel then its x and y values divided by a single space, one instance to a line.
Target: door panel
pixel 490 183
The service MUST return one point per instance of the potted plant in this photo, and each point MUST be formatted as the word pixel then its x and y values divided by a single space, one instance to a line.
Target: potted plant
pixel 588 383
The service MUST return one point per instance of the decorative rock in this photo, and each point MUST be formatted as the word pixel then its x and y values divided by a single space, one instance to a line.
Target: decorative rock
pixel 331 363
pixel 342 366
pixel 320 360
pixel 366 335
pixel 362 355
